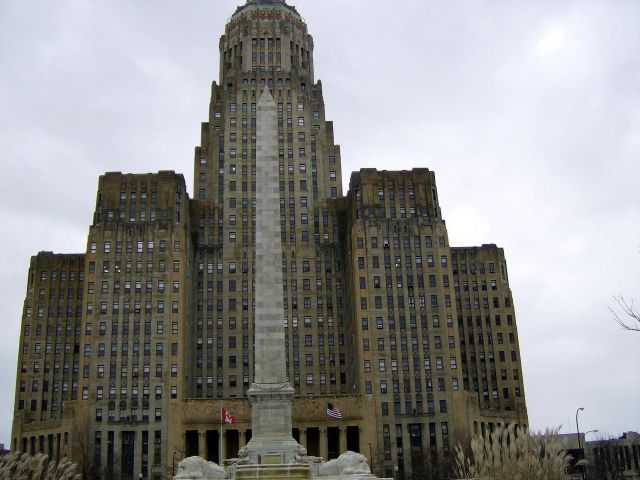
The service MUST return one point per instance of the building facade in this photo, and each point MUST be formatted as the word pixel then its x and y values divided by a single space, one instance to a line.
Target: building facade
pixel 130 351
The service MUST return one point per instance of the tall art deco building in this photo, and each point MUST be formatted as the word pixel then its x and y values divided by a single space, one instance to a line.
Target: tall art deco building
pixel 129 351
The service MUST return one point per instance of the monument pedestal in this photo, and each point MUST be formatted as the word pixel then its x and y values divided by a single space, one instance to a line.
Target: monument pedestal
pixel 272 472
pixel 271 440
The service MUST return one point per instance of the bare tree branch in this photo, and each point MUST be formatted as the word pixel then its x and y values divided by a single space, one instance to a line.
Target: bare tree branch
pixel 629 316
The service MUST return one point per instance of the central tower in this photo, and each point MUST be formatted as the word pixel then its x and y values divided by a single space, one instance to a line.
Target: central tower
pixel 266 44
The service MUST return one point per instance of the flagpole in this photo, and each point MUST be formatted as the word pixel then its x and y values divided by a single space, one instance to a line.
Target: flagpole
pixel 326 432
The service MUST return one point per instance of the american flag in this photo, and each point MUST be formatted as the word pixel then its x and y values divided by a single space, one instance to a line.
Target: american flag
pixel 332 411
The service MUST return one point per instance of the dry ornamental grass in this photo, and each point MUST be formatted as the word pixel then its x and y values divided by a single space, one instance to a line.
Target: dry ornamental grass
pixel 514 454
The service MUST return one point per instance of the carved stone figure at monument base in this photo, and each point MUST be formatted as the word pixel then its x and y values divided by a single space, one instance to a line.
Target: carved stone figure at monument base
pixel 196 468
pixel 349 463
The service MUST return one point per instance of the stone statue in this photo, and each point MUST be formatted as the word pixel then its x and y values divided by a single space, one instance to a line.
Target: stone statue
pixel 349 463
pixel 197 468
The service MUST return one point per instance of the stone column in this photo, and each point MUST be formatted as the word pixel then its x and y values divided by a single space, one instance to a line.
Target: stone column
pixel 270 360
pixel 343 440
pixel 271 395
pixel 303 437
pixel 56 447
pixel 137 453
pixel 323 444
pixel 184 443
pixel 202 441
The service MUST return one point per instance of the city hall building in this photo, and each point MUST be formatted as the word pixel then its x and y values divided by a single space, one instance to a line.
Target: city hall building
pixel 398 345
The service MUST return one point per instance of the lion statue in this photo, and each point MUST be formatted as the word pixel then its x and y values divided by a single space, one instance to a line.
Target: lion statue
pixel 197 468
pixel 349 463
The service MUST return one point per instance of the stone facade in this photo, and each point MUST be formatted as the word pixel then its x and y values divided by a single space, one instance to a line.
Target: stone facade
pixel 130 350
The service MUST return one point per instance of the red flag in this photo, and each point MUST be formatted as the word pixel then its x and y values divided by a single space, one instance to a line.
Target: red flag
pixel 226 417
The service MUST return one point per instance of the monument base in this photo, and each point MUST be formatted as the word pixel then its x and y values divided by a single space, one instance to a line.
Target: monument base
pixel 272 472
pixel 271 441
pixel 349 466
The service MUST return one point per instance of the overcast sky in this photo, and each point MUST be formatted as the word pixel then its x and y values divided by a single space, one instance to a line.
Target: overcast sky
pixel 528 112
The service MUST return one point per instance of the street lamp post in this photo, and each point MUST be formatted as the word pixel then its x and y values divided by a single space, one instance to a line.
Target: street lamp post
pixel 371 457
pixel 578 428
pixel 580 452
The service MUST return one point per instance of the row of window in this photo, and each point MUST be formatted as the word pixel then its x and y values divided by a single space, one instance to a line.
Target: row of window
pixel 146 349
pixel 428 242
pixel 131 246
pixel 437 342
pixel 409 410
pixel 140 215
pixel 128 265
pixel 137 307
pixel 125 328
pixel 413 322
pixel 62 275
pixel 398 261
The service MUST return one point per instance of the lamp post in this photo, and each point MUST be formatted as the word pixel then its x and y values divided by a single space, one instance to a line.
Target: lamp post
pixel 371 457
pixel 580 452
pixel 578 428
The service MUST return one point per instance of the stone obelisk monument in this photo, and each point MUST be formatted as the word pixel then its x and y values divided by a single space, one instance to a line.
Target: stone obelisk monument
pixel 271 395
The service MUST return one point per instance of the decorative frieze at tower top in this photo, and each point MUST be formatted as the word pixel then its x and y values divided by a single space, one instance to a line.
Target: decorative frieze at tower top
pixel 266 37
